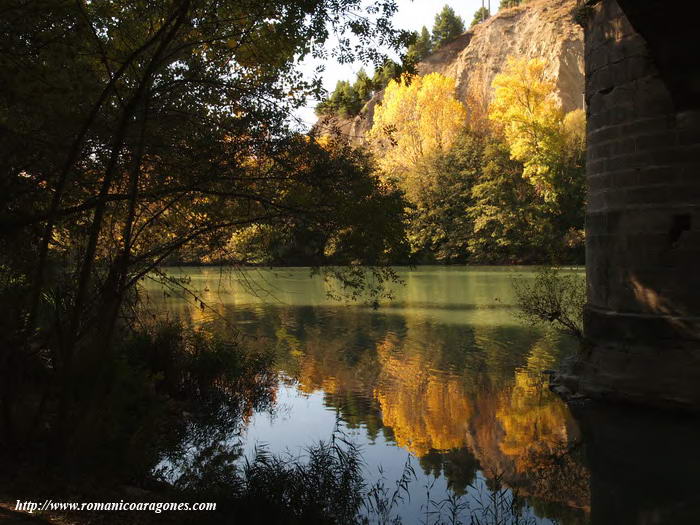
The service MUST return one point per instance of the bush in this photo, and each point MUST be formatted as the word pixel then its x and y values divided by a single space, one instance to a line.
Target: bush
pixel 554 298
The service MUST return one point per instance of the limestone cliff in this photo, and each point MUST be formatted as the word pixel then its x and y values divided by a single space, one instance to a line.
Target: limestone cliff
pixel 541 28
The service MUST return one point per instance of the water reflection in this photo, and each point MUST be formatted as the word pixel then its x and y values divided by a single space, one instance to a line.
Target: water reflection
pixel 443 372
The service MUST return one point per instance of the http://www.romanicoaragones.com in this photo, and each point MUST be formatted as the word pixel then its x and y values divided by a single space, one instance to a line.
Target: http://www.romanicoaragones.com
pixel 156 507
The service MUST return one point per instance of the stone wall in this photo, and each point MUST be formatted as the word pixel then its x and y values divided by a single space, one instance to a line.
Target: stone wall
pixel 643 223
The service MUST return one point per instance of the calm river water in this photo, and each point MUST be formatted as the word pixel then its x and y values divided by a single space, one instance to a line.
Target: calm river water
pixel 443 376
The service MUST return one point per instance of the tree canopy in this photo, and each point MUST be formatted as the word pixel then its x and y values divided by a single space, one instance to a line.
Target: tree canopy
pixel 422 46
pixel 347 99
pixel 537 130
pixel 419 116
pixel 137 133
pixel 480 15
pixel 509 189
pixel 447 26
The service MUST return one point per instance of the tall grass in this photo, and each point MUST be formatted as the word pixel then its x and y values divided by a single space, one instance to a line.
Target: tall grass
pixel 326 485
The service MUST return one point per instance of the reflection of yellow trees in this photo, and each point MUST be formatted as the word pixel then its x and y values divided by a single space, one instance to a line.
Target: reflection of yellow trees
pixel 314 376
pixel 426 409
pixel 533 419
pixel 538 431
pixel 320 366
pixel 458 399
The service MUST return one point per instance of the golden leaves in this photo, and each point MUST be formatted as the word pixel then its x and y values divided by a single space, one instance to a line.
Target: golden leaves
pixel 538 132
pixel 419 116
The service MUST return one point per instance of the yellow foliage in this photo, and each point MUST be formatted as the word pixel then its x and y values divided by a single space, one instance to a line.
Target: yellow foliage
pixel 575 129
pixel 323 141
pixel 419 116
pixel 536 129
pixel 426 410
pixel 535 422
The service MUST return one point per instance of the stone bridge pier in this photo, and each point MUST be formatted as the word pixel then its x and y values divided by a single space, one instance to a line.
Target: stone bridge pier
pixel 643 213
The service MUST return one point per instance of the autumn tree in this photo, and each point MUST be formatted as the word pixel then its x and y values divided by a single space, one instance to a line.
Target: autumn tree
pixel 549 142
pixel 447 26
pixel 414 130
pixel 418 117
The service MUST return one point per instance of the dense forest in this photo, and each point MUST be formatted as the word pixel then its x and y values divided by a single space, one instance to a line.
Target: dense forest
pixel 496 180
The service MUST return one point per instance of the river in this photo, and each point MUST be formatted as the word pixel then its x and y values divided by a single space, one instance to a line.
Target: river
pixel 442 377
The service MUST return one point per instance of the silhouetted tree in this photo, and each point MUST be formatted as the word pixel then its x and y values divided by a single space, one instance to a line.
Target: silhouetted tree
pixel 133 131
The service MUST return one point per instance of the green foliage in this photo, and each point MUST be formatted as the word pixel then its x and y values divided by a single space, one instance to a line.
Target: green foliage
pixel 422 46
pixel 348 235
pixel 505 4
pixel 347 100
pixel 389 71
pixel 555 298
pixel 511 223
pixel 363 85
pixel 480 15
pixel 446 27
pixel 438 225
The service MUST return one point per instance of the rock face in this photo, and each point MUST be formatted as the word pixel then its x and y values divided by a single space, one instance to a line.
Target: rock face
pixel 539 29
